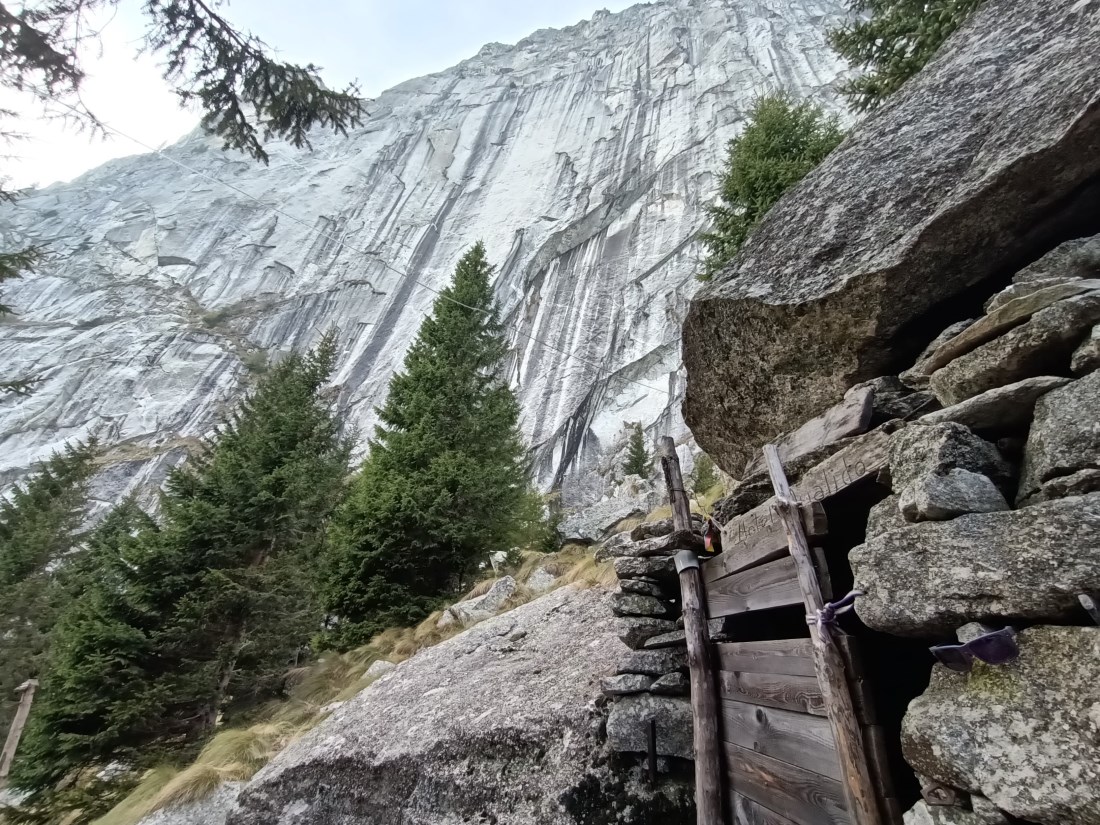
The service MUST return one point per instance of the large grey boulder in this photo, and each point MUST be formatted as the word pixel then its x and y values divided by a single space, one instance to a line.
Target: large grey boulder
pixel 481 607
pixel 1065 436
pixel 210 810
pixel 1030 564
pixel 1043 345
pixel 832 285
pixel 982 814
pixel 479 728
pixel 1024 734
pixel 942 497
pixel 921 450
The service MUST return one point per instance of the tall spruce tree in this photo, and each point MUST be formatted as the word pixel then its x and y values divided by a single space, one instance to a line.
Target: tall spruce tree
pixel 40 524
pixel 187 622
pixel 892 40
pixel 445 480
pixel 637 459
pixel 783 141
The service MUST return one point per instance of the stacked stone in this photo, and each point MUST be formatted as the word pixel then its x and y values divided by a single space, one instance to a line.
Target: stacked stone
pixel 650 683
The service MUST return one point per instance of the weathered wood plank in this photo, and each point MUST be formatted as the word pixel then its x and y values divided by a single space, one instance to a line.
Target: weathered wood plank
pixel 798 693
pixel 859 791
pixel 674 482
pixel 859 460
pixel 798 738
pixel 774 584
pixel 790 657
pixel 850 417
pixel 15 732
pixel 804 797
pixel 767 544
pixel 747 812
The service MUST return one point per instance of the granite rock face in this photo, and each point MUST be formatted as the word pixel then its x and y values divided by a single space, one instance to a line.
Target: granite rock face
pixel 583 157
pixel 1065 436
pixel 1002 409
pixel 882 234
pixel 209 811
pixel 920 451
pixel 628 724
pixel 1029 564
pixel 1023 734
pixel 478 728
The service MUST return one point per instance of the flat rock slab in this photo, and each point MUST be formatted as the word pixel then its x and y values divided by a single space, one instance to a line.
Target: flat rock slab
pixel 625 684
pixel 636 630
pixel 921 450
pixel 671 684
pixel 1022 734
pixel 648 568
pixel 1065 436
pixel 826 290
pixel 677 638
pixel 635 604
pixel 628 725
pixel 653 662
pixel 1043 345
pixel 470 728
pixel 1006 409
pixel 1029 564
pixel 641 586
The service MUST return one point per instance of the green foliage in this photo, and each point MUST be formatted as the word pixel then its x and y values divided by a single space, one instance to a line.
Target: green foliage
pixel 637 459
pixel 445 482
pixel 239 85
pixel 39 526
pixel 704 475
pixel 192 622
pixel 892 40
pixel 783 141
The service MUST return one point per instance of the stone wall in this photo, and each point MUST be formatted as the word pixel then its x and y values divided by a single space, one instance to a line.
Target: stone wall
pixel 987 516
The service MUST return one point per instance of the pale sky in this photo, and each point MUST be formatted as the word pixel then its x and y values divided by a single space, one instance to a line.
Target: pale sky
pixel 379 42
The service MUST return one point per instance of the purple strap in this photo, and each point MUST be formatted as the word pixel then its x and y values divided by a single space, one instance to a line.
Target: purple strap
pixel 826 616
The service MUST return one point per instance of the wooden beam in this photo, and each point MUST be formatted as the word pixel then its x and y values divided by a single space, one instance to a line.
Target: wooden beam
pixel 15 732
pixel 704 700
pixel 797 738
pixel 852 416
pixel 797 693
pixel 858 788
pixel 747 812
pixel 878 755
pixel 766 544
pixel 859 460
pixel 674 481
pixel 806 798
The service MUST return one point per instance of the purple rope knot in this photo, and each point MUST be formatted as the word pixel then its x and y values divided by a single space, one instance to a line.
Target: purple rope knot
pixel 826 616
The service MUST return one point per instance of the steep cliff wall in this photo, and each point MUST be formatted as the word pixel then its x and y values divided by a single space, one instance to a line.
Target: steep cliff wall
pixel 583 157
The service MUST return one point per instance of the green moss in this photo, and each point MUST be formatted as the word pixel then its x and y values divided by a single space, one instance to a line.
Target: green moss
pixel 991 682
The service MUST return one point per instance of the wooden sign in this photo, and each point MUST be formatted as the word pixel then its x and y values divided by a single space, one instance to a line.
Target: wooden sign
pixel 852 416
pixel 767 544
pixel 749 539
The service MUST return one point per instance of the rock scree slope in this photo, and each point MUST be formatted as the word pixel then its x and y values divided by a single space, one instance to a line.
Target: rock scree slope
pixel 856 266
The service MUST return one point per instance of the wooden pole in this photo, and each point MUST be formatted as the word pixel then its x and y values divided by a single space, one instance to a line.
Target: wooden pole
pixel 677 496
pixel 828 662
pixel 704 699
pixel 7 756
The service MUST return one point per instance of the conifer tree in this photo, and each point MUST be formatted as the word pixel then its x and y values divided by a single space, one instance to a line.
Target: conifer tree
pixel 39 526
pixel 637 459
pixel 892 40
pixel 783 141
pixel 445 480
pixel 185 623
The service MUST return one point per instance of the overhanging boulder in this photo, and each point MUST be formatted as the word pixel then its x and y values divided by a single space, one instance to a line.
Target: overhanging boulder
pixel 946 187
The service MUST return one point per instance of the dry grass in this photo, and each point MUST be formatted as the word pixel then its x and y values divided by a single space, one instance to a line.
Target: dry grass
pixel 236 754
pixel 628 523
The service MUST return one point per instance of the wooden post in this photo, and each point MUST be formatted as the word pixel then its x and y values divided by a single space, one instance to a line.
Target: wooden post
pixel 677 496
pixel 7 756
pixel 704 699
pixel 828 661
